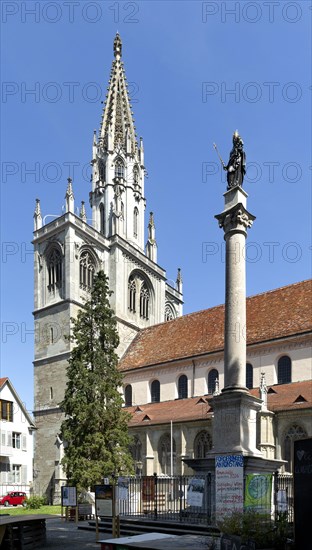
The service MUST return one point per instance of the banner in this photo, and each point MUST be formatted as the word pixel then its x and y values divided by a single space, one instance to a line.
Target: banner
pixel 258 493
pixel 195 492
pixel 229 484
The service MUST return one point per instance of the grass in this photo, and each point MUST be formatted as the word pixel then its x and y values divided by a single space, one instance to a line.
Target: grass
pixel 20 511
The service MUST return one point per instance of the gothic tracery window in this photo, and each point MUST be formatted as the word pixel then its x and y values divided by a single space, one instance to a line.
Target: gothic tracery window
pixel 135 175
pixel 54 265
pixel 294 432
pixel 136 453
pixel 87 270
pixel 165 453
pixel 102 219
pixel 119 169
pixel 132 294
pixel 202 444
pixel 144 301
pixel 212 377
pixel 102 170
pixel 169 312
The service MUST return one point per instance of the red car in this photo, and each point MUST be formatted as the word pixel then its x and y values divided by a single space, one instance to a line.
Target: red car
pixel 14 498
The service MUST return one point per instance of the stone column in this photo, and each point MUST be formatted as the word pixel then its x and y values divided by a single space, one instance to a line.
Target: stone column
pixel 235 220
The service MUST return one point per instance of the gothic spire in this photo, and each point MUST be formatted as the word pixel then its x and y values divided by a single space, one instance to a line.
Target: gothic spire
pixel 69 196
pixel 117 124
pixel 37 216
pixel 151 245
pixel 82 213
pixel 179 281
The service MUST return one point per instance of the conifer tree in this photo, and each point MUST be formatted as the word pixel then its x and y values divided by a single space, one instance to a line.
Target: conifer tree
pixel 95 429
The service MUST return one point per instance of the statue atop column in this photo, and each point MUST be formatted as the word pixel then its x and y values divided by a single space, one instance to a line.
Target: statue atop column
pixel 236 167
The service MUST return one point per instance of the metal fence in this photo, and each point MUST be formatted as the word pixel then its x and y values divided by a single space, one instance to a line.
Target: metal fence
pixel 167 499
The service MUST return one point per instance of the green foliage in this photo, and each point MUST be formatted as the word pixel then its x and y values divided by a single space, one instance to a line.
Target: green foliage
pixel 95 429
pixel 35 502
pixel 251 525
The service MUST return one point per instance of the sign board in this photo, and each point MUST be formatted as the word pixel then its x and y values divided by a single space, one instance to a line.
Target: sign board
pixel 229 484
pixel 104 500
pixel 195 492
pixel 148 489
pixel 302 491
pixel 68 496
pixel 258 493
pixel 123 488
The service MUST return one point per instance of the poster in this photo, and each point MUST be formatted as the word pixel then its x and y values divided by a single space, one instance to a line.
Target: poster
pixel 68 496
pixel 195 492
pixel 258 493
pixel 229 484
pixel 148 489
pixel 104 500
pixel 123 488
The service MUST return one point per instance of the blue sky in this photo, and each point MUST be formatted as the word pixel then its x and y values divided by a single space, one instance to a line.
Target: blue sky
pixel 198 71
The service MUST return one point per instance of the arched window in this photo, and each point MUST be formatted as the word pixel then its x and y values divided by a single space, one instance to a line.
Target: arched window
pixel 284 370
pixel 132 294
pixel 102 219
pixel 54 264
pixel 135 175
pixel 144 301
pixel 169 312
pixel 87 269
pixel 164 454
pixel 136 453
pixel 212 377
pixel 155 391
pixel 135 221
pixel 119 169
pixel 202 444
pixel 295 432
pixel 249 376
pixel 128 395
pixel 102 171
pixel 182 387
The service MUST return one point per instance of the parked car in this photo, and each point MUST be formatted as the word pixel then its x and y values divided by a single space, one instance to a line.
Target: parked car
pixel 14 498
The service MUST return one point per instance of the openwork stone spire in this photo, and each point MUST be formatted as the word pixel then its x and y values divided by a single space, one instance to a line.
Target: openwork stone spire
pixel 117 124
pixel 37 216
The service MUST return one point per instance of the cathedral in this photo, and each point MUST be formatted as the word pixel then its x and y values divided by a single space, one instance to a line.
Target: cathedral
pixel 171 363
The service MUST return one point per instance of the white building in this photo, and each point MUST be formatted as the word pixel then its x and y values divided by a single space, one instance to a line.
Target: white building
pixel 17 448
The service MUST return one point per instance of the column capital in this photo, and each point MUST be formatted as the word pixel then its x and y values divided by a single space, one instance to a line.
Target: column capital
pixel 235 219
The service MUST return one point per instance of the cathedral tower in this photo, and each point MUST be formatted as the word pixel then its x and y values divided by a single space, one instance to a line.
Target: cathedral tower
pixel 69 250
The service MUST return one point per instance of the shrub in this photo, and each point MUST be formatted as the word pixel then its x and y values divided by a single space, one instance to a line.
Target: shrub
pixel 35 502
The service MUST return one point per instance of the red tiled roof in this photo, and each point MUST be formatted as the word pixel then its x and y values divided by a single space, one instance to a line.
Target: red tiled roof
pixel 297 395
pixel 194 408
pixel 197 408
pixel 3 381
pixel 275 314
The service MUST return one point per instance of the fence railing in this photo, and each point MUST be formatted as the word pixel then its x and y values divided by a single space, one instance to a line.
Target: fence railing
pixel 167 498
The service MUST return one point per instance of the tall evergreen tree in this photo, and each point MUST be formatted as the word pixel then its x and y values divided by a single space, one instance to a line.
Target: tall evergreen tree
pixel 95 429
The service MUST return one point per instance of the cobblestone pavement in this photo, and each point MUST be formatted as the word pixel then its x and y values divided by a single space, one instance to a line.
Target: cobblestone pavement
pixel 63 535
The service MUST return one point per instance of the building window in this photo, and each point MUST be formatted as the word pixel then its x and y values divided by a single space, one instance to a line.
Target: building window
pixel 182 387
pixel 155 391
pixel 284 370
pixel 87 269
pixel 132 294
pixel 249 376
pixel 128 395
pixel 169 312
pixel 136 453
pixel 295 432
pixel 16 473
pixel 16 440
pixel 51 393
pixel 135 175
pixel 102 170
pixel 102 219
pixel 135 222
pixel 119 169
pixel 6 410
pixel 213 375
pixel 165 454
pixel 202 444
pixel 144 301
pixel 54 264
